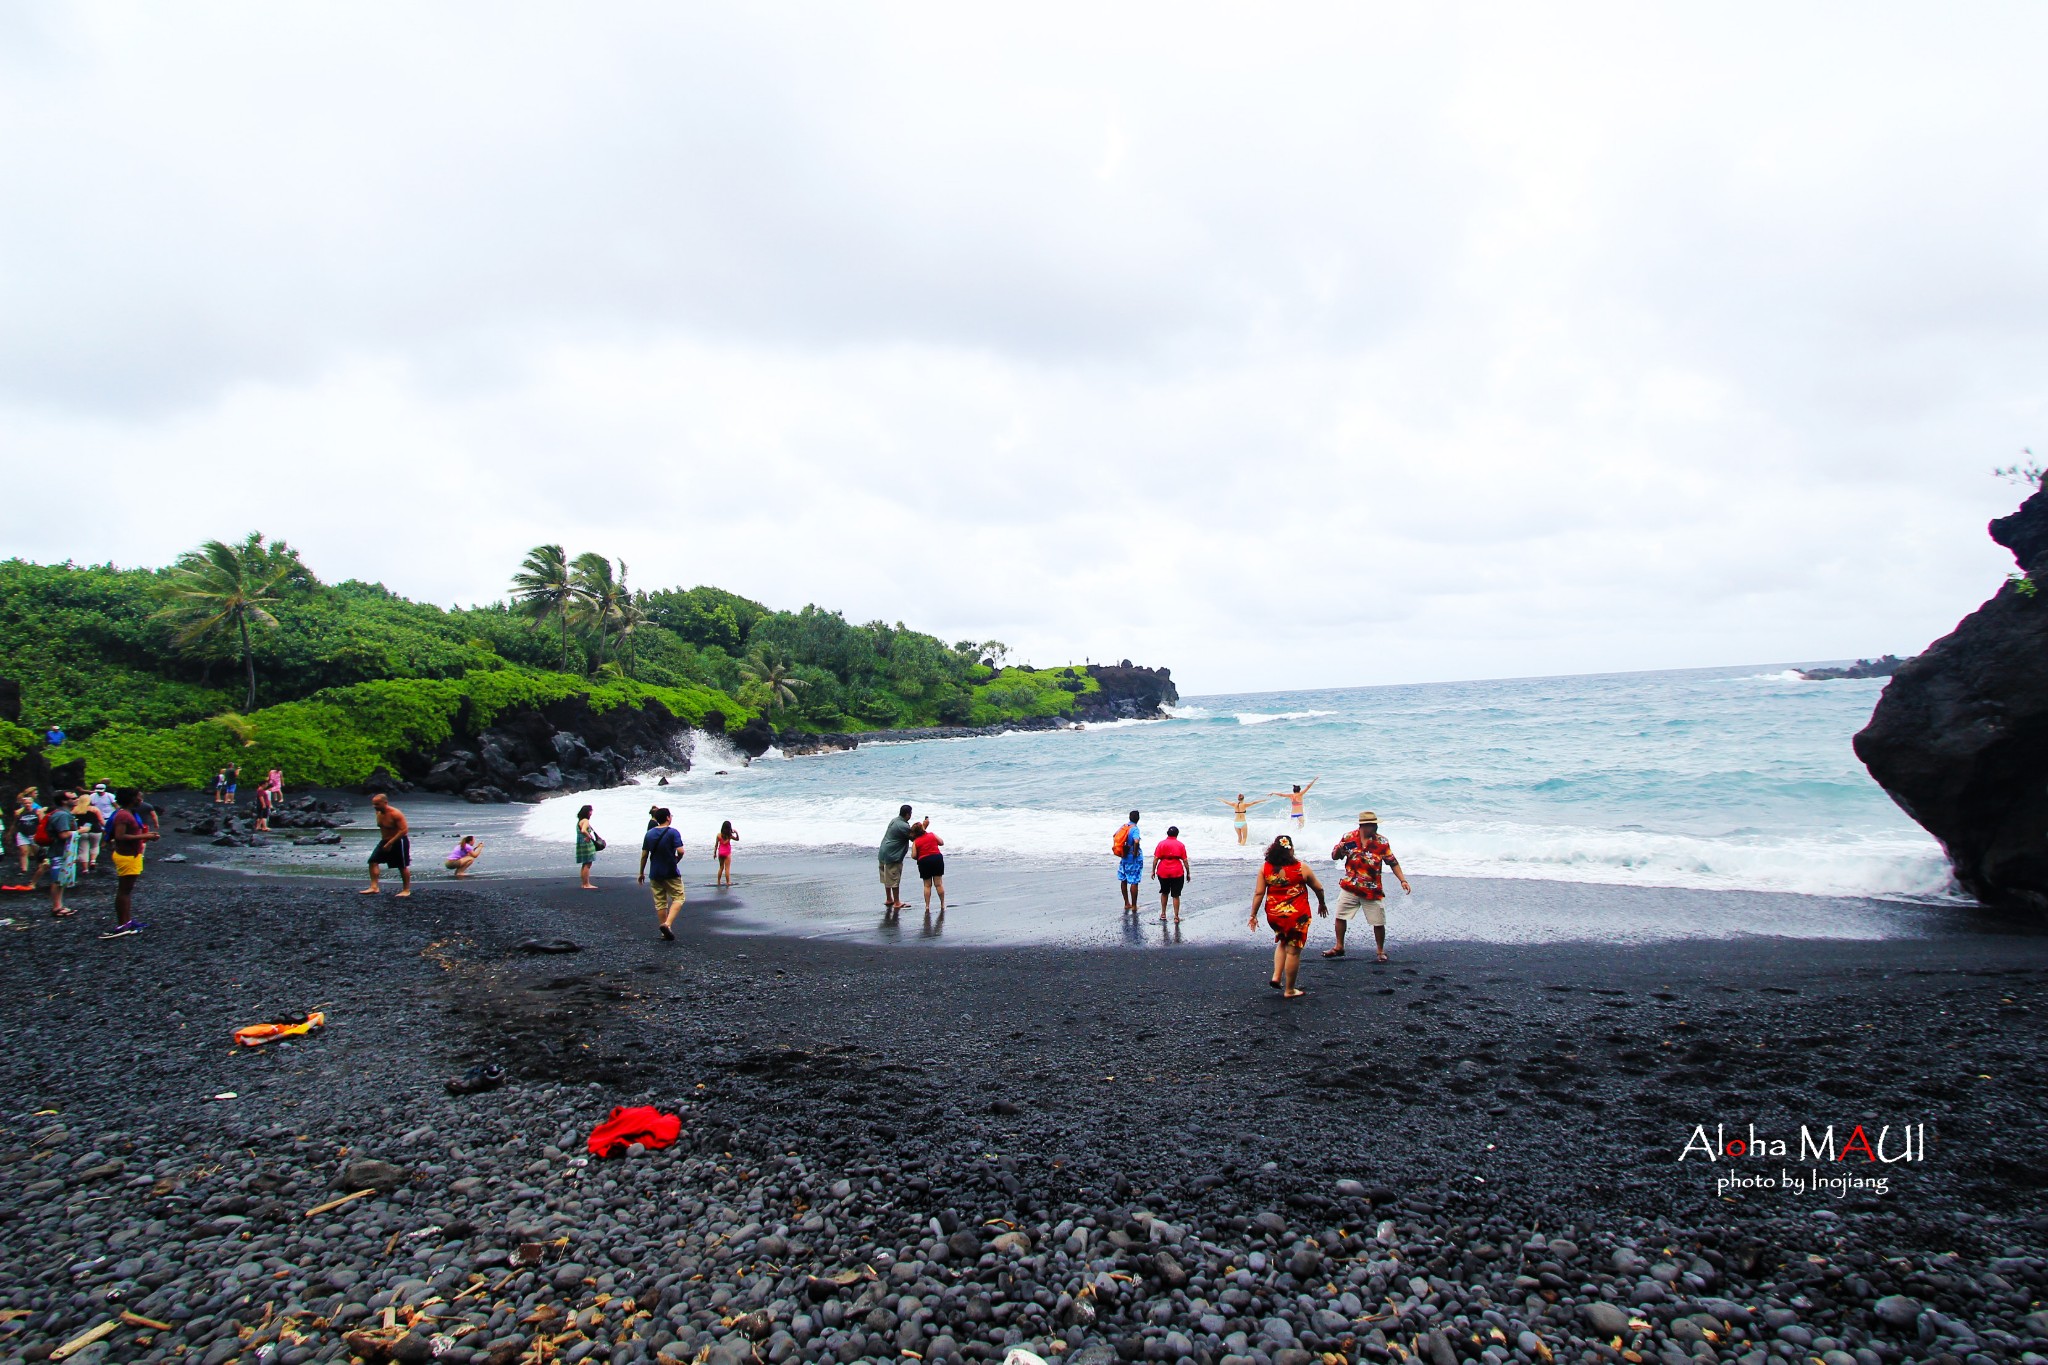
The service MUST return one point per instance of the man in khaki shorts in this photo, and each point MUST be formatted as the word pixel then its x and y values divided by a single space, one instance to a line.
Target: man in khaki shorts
pixel 895 847
pixel 1364 854
pixel 661 853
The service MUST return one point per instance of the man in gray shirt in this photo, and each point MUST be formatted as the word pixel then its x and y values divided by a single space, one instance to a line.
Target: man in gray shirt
pixel 895 848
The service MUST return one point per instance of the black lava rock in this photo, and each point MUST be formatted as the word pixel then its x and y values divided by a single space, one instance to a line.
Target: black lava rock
pixel 1960 736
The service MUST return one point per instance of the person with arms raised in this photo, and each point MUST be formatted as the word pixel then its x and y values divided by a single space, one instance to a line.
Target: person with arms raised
pixel 1297 802
pixel 1237 815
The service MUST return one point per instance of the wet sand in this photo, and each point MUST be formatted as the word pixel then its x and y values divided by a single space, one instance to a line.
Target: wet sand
pixel 994 900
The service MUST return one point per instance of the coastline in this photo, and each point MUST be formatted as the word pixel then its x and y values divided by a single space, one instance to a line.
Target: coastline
pixel 804 744
pixel 1010 898
pixel 837 1096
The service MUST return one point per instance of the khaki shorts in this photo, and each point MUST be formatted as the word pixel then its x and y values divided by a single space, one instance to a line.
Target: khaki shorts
pixel 1350 903
pixel 668 893
pixel 892 875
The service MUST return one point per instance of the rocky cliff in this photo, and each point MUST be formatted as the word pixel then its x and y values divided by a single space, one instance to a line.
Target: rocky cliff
pixel 1960 735
pixel 528 751
pixel 1128 692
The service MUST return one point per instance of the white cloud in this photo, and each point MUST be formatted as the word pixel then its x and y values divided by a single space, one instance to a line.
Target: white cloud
pixel 1285 349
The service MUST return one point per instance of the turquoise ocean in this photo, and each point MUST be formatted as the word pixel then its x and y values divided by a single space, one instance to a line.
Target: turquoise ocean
pixel 1714 779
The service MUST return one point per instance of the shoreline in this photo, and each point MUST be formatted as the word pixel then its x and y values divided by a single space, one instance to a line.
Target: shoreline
pixel 1020 898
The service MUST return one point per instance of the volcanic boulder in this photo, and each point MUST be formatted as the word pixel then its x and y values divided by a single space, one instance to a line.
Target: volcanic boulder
pixel 528 750
pixel 1128 691
pixel 1960 735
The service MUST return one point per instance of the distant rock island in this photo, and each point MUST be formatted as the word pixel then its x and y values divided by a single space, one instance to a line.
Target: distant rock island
pixel 1862 668
pixel 1960 735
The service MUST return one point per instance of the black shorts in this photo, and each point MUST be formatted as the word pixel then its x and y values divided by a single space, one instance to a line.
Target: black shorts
pixel 934 866
pixel 1170 886
pixel 397 853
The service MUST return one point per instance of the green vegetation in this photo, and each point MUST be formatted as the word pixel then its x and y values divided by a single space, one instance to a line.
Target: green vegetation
pixel 239 653
pixel 16 741
pixel 339 736
pixel 1019 692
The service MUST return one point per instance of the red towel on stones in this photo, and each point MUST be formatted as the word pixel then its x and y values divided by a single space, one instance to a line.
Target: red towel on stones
pixel 643 1124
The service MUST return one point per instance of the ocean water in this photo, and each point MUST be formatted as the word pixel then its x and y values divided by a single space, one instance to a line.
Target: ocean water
pixel 1736 779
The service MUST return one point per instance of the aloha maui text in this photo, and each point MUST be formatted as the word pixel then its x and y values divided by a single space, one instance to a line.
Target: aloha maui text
pixel 1908 1142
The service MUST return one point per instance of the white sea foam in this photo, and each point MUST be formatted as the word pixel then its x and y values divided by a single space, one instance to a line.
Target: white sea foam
pixel 1903 866
pixel 1781 676
pixel 1717 780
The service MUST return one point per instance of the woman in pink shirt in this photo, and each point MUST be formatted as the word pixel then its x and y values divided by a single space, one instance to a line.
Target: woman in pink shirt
pixel 1170 870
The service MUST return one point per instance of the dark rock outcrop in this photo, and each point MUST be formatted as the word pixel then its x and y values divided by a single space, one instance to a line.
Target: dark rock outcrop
pixel 1960 735
pixel 1128 693
pixel 1883 667
pixel 234 826
pixel 754 738
pixel 527 751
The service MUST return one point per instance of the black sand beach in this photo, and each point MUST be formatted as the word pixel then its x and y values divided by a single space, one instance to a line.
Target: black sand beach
pixel 1473 1152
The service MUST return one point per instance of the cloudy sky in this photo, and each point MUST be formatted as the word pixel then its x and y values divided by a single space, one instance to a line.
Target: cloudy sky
pixel 1286 346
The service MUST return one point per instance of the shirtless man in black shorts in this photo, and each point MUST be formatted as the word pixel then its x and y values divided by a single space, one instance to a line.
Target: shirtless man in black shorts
pixel 394 848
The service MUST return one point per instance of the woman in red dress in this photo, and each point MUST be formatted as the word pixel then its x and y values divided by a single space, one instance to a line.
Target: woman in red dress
pixel 1284 884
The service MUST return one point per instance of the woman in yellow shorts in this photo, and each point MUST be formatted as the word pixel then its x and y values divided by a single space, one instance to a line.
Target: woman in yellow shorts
pixel 128 834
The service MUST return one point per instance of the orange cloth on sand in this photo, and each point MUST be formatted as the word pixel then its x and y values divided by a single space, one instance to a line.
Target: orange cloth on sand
pixel 640 1123
pixel 256 1035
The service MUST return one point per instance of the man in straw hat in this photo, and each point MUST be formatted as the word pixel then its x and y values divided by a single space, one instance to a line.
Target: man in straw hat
pixel 1364 854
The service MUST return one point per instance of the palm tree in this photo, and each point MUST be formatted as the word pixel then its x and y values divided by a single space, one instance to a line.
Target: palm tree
pixel 598 595
pixel 543 588
pixel 773 672
pixel 632 616
pixel 219 591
